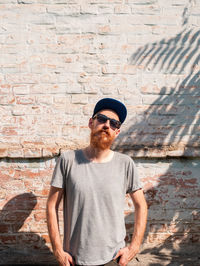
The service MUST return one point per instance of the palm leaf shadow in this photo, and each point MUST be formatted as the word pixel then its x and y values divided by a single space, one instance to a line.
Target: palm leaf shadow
pixel 171 126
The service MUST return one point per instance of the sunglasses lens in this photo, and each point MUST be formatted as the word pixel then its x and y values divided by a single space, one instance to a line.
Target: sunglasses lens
pixel 113 124
pixel 103 118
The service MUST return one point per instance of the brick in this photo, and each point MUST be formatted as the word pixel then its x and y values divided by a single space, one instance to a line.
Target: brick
pixel 40 216
pixel 5 89
pixel 50 152
pixel 18 110
pixel 130 99
pixel 8 239
pixel 39 228
pixel 88 110
pixel 89 9
pixel 64 10
pixel 32 153
pixel 25 100
pixel 105 29
pixel 70 130
pixel 9 131
pixel 91 69
pixel 196 215
pixel 79 99
pixel 62 99
pixel 3 152
pixel 105 8
pixel 41 204
pixel 122 9
pixel 46 89
pixel 47 100
pixel 46 238
pixel 25 78
pixel 28 238
pixel 21 89
pixel 111 69
pixel 73 109
pixel 5 100
pixel 90 88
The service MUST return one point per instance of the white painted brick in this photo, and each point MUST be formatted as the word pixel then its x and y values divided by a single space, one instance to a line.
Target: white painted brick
pixel 79 99
pixel 66 55
pixel 73 88
pixel 122 9
pixel 65 1
pixel 64 10
pixel 44 100
pixel 26 78
pixel 90 88
pixel 89 9
pixel 91 68
pixel 47 88
pixel 131 99
pixel 19 110
pixel 5 89
pixel 105 9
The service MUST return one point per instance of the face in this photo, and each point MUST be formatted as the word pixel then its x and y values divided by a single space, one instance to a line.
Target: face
pixel 103 134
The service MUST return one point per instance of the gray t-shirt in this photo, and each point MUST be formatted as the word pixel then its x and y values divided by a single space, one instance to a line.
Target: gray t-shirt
pixel 94 193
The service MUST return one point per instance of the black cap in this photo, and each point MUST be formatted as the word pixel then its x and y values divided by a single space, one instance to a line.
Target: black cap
pixel 112 104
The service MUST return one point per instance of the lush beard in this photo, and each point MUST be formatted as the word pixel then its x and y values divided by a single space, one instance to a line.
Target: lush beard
pixel 101 139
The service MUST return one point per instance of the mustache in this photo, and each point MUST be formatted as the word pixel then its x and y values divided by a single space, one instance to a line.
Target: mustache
pixel 105 131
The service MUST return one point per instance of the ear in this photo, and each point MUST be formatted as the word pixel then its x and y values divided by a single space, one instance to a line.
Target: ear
pixel 90 123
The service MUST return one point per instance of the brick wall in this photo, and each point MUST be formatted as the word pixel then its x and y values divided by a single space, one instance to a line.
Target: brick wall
pixel 58 58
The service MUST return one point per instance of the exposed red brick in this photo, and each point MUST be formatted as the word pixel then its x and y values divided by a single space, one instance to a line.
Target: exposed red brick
pixel 46 238
pixel 40 215
pixel 29 238
pixel 4 228
pixel 10 131
pixel 8 239
pixel 3 152
pixel 5 178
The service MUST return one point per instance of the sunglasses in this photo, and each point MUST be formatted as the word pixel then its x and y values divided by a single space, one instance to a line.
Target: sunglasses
pixel 103 119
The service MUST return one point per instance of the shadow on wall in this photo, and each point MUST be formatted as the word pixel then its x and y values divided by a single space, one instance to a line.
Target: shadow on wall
pixel 170 126
pixel 18 247
pixel 173 120
pixel 172 234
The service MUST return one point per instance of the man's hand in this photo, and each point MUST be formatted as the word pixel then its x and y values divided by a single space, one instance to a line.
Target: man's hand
pixel 64 258
pixel 126 254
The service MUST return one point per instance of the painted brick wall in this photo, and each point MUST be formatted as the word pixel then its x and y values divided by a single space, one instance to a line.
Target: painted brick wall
pixel 171 188
pixel 59 57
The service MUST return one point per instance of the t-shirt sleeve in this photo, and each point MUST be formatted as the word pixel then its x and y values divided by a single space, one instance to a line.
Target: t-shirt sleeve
pixel 58 177
pixel 133 181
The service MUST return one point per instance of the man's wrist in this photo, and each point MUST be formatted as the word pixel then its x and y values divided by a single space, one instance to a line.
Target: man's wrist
pixel 134 248
pixel 58 251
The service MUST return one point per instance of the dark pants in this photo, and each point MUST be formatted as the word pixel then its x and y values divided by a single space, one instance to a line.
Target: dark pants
pixel 110 263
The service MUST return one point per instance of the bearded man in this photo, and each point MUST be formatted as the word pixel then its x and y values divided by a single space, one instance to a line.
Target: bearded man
pixel 93 183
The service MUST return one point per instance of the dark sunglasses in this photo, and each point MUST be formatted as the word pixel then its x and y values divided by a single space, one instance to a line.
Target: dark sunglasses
pixel 103 118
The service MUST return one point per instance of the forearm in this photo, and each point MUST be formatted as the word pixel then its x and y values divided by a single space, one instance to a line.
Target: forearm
pixel 129 252
pixel 139 225
pixel 52 222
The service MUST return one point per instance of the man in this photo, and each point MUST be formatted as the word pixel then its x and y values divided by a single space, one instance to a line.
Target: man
pixel 93 182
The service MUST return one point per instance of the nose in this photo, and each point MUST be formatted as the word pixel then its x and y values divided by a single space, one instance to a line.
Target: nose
pixel 107 124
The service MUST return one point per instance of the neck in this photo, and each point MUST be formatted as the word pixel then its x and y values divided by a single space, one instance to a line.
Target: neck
pixel 97 155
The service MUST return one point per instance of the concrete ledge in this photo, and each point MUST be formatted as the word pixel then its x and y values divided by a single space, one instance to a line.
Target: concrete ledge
pixel 49 151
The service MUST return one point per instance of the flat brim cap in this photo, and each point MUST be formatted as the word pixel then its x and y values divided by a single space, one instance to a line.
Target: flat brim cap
pixel 112 104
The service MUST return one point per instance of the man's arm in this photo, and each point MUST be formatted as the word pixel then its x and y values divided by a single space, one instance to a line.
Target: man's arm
pixel 53 202
pixel 129 252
